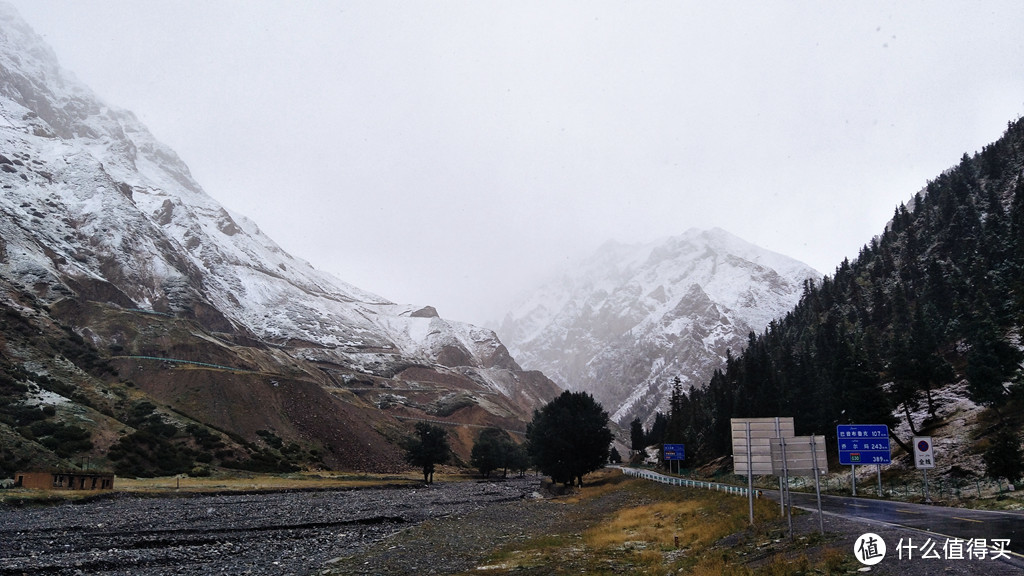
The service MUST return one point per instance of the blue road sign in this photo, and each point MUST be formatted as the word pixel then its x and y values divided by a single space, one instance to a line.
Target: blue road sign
pixel 863 444
pixel 675 452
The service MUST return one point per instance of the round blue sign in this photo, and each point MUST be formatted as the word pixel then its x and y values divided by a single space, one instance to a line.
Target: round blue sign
pixel 922 446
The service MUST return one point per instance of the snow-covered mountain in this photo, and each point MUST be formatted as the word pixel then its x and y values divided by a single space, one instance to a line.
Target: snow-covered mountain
pixel 629 319
pixel 92 197
pixel 94 209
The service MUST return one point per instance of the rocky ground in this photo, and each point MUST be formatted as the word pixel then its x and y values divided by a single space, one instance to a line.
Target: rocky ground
pixel 447 528
pixel 277 533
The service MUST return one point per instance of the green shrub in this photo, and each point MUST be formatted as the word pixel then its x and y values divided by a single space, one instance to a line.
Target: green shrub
pixel 145 454
pixel 262 461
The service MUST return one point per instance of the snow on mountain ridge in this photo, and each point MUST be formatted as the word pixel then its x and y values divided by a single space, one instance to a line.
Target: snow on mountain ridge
pixel 631 317
pixel 92 199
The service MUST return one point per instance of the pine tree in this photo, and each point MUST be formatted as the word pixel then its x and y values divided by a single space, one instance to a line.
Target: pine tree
pixel 492 450
pixel 992 363
pixel 569 437
pixel 1004 458
pixel 636 435
pixel 427 449
pixel 676 423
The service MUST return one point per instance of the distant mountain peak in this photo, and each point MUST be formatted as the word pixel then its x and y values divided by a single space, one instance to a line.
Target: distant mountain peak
pixel 630 318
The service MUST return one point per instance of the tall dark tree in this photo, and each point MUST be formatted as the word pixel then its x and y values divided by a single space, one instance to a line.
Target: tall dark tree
pixel 637 438
pixel 930 368
pixel 861 392
pixel 1003 459
pixel 520 459
pixel 676 416
pixel 992 362
pixel 656 435
pixel 428 449
pixel 492 450
pixel 569 437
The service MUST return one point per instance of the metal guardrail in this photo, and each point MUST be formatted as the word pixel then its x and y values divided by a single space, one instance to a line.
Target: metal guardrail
pixel 676 481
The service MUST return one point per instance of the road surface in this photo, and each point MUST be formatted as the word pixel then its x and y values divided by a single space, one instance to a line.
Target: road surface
pixel 939 521
pixel 1000 530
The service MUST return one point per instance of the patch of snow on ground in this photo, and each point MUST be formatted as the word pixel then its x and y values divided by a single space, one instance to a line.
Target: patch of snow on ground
pixel 40 397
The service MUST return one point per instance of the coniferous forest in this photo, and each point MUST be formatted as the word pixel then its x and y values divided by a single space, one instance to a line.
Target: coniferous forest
pixel 936 298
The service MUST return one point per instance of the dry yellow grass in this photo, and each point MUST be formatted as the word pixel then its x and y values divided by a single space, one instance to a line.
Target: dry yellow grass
pixel 641 538
pixel 240 482
pixel 660 524
pixel 689 521
pixel 231 483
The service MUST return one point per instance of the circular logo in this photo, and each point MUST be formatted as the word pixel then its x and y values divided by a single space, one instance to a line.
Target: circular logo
pixel 869 549
pixel 922 446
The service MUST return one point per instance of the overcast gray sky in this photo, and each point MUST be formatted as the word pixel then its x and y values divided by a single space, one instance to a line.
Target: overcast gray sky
pixel 450 153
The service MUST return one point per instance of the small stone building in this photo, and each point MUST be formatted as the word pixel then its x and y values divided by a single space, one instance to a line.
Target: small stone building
pixel 64 480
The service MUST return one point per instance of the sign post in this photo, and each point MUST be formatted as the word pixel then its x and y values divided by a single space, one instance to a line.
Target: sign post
pixel 924 458
pixel 863 444
pixel 750 476
pixel 817 479
pixel 751 448
pixel 674 453
pixel 801 456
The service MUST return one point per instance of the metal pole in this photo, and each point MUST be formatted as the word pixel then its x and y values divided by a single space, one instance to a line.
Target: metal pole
pixel 853 477
pixel 782 490
pixel 817 485
pixel 925 472
pixel 750 476
pixel 789 499
pixel 879 468
pixel 782 500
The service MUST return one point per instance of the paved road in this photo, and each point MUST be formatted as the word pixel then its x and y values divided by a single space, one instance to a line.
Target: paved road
pixel 937 520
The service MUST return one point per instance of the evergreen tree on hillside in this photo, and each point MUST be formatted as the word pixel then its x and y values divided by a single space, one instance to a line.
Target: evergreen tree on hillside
pixel 656 435
pixel 937 297
pixel 676 427
pixel 636 435
pixel 1004 458
pixel 992 362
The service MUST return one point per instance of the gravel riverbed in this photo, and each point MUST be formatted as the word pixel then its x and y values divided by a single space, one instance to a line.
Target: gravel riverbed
pixel 269 533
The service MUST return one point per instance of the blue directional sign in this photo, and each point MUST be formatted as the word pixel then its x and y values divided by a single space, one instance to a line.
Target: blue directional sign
pixel 675 452
pixel 863 444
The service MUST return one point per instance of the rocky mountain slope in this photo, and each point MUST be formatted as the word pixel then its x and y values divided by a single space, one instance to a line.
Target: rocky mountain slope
pixel 631 318
pixel 107 240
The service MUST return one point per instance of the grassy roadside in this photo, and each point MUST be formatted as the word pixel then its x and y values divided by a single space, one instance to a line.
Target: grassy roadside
pixel 657 529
